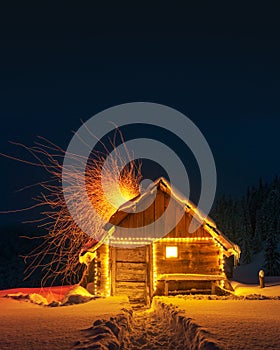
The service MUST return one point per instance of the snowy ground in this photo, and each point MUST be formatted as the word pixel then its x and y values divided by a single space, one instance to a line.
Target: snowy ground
pixel 248 273
pixel 233 322
pixel 246 280
pixel 272 288
pixel 27 326
pixel 238 324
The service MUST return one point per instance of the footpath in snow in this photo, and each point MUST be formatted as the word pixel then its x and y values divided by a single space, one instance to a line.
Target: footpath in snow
pixel 81 321
pixel 181 323
pixel 151 332
pixel 144 330
pixel 161 327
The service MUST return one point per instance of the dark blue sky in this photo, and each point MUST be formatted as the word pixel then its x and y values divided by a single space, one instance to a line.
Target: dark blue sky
pixel 218 65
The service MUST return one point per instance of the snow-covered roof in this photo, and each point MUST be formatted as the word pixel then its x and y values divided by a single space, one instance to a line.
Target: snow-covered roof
pixel 207 223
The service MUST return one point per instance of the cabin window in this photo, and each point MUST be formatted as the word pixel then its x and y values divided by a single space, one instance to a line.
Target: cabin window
pixel 171 252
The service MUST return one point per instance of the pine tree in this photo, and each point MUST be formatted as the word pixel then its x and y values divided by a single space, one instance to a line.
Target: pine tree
pixel 272 214
pixel 246 234
pixel 258 234
pixel 253 222
pixel 272 255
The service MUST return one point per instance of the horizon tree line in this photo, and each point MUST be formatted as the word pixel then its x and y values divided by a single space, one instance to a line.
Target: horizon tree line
pixel 253 222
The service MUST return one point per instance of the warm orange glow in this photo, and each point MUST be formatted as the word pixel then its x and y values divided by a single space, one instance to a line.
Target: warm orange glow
pixel 87 257
pixel 171 252
pixel 100 180
pixel 154 267
pixel 95 277
pixel 107 272
pixel 58 254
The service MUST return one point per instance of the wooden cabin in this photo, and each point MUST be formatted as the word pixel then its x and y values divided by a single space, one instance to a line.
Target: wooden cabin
pixel 141 261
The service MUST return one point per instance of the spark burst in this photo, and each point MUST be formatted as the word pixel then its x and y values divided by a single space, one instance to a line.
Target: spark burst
pixel 58 253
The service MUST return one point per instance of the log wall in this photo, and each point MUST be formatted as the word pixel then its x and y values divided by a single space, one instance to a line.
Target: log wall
pixel 193 257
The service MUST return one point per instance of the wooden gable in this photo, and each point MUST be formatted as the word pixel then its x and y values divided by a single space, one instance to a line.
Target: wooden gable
pixel 151 213
pixel 151 206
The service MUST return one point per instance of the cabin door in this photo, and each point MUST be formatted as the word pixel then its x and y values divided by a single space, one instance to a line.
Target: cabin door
pixel 130 273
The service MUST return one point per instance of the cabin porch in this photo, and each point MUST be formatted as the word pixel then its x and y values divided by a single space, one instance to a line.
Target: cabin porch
pixel 170 284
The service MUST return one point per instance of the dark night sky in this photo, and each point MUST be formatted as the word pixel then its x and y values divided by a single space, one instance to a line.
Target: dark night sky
pixel 219 65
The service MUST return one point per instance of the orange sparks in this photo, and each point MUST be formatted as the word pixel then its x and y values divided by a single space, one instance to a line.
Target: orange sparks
pixel 58 253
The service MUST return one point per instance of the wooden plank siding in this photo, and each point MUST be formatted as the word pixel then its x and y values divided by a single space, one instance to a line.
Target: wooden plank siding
pixel 131 272
pixel 130 255
pixel 153 212
pixel 131 266
pixel 131 275
pixel 136 291
pixel 198 258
